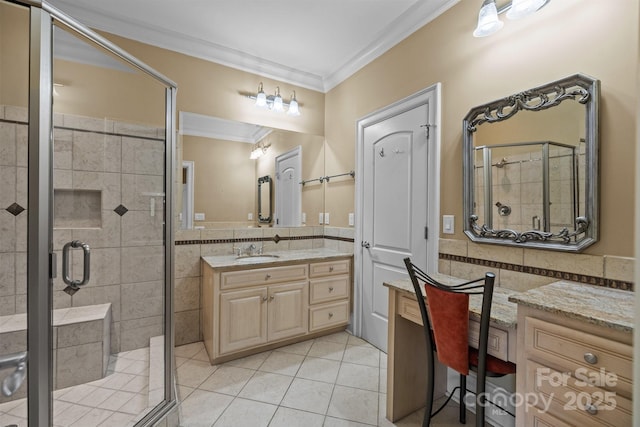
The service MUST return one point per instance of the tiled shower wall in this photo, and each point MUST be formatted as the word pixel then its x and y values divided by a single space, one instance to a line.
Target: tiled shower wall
pixel 193 244
pixel 122 162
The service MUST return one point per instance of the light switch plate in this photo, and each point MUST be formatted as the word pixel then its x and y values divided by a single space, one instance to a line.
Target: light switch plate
pixel 326 218
pixel 198 217
pixel 320 218
pixel 352 220
pixel 448 224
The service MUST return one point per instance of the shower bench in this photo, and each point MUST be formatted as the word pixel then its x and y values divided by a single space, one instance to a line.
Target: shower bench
pixel 81 344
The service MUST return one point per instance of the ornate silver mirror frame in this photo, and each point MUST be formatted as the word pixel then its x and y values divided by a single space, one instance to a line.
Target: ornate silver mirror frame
pixel 264 199
pixel 584 230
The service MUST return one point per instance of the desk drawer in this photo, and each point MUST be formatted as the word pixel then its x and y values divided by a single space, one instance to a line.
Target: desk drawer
pixel 574 401
pixel 327 315
pixel 498 344
pixel 262 276
pixel 329 268
pixel 578 351
pixel 328 289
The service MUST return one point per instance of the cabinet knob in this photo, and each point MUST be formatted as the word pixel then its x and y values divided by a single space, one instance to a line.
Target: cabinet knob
pixel 330 315
pixel 271 298
pixel 264 298
pixel 590 358
pixel 591 409
pixel 267 277
pixel 331 289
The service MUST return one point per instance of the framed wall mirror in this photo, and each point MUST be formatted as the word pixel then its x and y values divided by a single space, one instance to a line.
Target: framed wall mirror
pixel 531 167
pixel 264 199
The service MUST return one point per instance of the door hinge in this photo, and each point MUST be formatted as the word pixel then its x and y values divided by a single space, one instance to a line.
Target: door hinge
pixel 427 127
pixel 426 233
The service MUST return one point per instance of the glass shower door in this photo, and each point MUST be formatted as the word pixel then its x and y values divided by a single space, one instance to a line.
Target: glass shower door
pixel 109 177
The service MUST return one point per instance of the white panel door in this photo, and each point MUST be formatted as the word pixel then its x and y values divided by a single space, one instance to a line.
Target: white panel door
pixel 394 219
pixel 288 211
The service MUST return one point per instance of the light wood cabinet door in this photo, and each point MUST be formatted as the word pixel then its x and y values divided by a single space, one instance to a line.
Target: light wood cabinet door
pixel 243 319
pixel 287 310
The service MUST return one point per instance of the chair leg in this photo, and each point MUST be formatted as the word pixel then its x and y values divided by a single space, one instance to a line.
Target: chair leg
pixel 430 387
pixel 463 394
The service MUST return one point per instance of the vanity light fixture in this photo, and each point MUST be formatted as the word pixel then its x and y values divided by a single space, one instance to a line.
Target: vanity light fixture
pixel 259 150
pixel 275 102
pixel 488 21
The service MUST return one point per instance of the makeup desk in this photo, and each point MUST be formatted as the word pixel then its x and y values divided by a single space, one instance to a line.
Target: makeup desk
pixel 406 367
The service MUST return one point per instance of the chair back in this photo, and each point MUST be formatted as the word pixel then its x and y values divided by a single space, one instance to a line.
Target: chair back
pixel 446 319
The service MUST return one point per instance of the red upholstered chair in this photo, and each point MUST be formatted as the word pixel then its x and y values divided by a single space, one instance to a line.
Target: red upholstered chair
pixel 446 328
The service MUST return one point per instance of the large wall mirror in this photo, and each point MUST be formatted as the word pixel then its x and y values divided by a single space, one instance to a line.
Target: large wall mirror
pixel 531 167
pixel 234 177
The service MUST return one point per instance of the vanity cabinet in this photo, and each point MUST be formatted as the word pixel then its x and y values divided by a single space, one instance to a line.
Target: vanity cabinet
pixel 255 308
pixel 573 372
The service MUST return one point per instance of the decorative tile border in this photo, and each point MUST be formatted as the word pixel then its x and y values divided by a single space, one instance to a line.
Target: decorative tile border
pixel 559 275
pixel 275 239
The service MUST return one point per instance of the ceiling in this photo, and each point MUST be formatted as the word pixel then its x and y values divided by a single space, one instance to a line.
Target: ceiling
pixel 310 43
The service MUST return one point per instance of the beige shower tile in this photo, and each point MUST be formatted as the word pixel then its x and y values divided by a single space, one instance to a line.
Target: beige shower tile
pixel 214 234
pixel 134 188
pixel 107 183
pixel 135 130
pixel 143 264
pixel 302 231
pixel 300 244
pixel 453 247
pixel 22 145
pixel 591 265
pixel 508 254
pixel 187 261
pixel 87 123
pixel 142 300
pixel 8 146
pixel 187 293
pixel 19 114
pixel 139 228
pixel 214 249
pixel 137 332
pixel 7 274
pixel 141 156
pixel 7 231
pixel 8 188
pixel 444 266
pixel 247 233
pixel 100 295
pixel 62 149
pixel 105 266
pixel 619 268
pixel 107 236
pixel 187 327
pixel 188 235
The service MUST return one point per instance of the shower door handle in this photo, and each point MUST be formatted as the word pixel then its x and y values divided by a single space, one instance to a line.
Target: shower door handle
pixel 86 270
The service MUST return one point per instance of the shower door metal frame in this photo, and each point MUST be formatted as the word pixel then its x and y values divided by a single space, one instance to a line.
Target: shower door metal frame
pixel 40 258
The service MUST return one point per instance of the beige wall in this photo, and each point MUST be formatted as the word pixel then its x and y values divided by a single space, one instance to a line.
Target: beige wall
pixel 564 38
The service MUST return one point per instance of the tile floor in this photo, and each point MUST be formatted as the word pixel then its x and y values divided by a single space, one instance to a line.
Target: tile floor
pixel 333 381
pixel 117 400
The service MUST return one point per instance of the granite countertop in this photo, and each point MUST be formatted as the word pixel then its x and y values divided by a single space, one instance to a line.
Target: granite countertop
pixel 611 308
pixel 270 259
pixel 503 312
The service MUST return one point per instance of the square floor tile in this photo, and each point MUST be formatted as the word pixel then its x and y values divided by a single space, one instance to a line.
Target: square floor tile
pixel 282 363
pixel 308 395
pixel 228 380
pixel 338 337
pixel 317 369
pixel 189 350
pixel 246 413
pixel 192 373
pixel 327 350
pixel 301 348
pixel 118 419
pixel 250 362
pixel 359 376
pixel 354 405
pixel 266 387
pixel 286 417
pixel 93 418
pixel 362 355
pixel 337 422
pixel 203 408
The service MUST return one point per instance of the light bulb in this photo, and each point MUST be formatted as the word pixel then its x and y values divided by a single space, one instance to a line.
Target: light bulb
pixel 293 106
pixel 261 98
pixel 277 101
pixel 488 22
pixel 522 8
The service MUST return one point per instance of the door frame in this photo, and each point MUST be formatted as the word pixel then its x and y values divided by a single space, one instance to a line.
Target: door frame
pixel 187 220
pixel 430 95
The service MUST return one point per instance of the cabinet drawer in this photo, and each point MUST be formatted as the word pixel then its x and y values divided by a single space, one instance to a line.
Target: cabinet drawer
pixel 329 268
pixel 262 276
pixel 327 315
pixel 577 351
pixel 498 344
pixel 572 400
pixel 328 289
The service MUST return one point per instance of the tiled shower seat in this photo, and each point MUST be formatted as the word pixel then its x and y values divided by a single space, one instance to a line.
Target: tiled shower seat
pixel 81 344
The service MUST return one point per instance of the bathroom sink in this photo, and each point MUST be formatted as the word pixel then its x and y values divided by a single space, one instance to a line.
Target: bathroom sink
pixel 256 258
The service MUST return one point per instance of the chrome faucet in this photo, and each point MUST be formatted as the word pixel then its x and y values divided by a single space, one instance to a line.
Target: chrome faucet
pixel 251 249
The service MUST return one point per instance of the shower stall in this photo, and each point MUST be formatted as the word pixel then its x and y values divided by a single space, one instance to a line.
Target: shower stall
pixel 86 246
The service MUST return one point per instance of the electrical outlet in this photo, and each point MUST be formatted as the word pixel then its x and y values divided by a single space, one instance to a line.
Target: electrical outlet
pixel 320 218
pixel 326 218
pixel 250 216
pixel 352 219
pixel 198 217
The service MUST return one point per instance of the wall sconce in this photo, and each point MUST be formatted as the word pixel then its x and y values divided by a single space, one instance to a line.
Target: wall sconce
pixel 275 102
pixel 488 21
pixel 259 150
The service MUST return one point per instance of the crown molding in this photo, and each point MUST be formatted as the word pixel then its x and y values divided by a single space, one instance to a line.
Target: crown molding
pixel 216 128
pixel 411 20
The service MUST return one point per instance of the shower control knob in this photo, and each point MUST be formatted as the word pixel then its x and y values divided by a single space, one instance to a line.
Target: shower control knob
pixel 366 245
